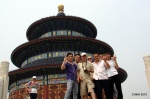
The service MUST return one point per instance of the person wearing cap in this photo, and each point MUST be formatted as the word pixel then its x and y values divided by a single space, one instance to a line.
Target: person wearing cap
pixel 32 87
pixel 71 72
pixel 89 58
pixel 86 84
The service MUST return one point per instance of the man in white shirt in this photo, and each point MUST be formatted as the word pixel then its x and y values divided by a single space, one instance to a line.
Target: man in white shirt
pixel 101 77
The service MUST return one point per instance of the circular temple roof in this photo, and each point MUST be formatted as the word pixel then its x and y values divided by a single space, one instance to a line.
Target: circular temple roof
pixel 61 22
pixel 61 43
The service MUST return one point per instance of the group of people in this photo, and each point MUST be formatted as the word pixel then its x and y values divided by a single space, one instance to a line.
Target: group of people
pixel 86 79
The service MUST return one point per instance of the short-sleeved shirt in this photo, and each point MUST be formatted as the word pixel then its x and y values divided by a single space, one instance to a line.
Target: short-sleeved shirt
pixel 112 70
pixel 100 72
pixel 33 86
pixel 82 66
pixel 71 71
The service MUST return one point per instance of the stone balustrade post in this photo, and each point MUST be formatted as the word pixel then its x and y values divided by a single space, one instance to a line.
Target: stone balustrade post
pixel 147 67
pixel 4 79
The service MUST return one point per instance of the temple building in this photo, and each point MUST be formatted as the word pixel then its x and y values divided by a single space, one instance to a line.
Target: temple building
pixel 50 39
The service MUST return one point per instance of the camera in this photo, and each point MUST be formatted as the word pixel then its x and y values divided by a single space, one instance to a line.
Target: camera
pixel 84 69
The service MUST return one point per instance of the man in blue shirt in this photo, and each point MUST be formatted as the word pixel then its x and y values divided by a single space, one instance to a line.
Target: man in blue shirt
pixel 71 71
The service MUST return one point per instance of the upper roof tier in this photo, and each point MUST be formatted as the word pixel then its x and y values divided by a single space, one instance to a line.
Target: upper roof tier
pixel 61 22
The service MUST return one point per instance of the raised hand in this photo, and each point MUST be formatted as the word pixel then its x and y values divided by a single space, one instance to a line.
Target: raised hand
pixel 81 78
pixel 65 59
pixel 114 57
pixel 29 90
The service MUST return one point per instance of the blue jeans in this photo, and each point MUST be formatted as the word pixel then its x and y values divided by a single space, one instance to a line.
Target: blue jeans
pixel 71 85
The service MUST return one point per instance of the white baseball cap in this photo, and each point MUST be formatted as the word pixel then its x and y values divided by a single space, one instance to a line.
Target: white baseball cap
pixel 82 54
pixel 34 77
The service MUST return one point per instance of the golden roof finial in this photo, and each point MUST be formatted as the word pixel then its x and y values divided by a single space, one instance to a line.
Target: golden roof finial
pixel 61 8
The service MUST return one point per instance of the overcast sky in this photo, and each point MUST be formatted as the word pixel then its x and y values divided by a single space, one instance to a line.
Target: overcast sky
pixel 123 24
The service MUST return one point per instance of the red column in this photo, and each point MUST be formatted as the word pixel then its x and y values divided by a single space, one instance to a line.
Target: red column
pixel 17 94
pixel 45 92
